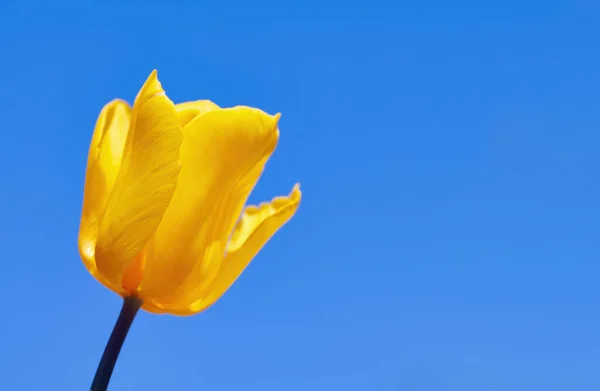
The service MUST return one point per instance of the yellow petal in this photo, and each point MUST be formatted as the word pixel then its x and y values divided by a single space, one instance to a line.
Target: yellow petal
pixel 223 154
pixel 253 231
pixel 187 111
pixel 145 183
pixel 104 161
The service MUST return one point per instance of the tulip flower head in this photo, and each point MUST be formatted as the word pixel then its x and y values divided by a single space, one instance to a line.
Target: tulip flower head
pixel 164 217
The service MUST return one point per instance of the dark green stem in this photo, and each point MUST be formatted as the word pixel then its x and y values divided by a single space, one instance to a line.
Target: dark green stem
pixel 131 305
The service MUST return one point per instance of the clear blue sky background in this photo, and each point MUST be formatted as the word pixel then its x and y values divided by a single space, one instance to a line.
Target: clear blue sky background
pixel 448 153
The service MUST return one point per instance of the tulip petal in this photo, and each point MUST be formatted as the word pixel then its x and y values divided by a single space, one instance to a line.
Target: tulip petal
pixel 259 223
pixel 223 154
pixel 145 183
pixel 256 227
pixel 104 162
pixel 187 111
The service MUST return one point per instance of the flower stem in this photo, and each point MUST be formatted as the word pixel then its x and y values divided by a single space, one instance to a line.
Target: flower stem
pixel 131 305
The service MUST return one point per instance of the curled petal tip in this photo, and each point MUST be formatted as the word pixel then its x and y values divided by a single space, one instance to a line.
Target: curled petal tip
pixel 296 193
pixel 153 79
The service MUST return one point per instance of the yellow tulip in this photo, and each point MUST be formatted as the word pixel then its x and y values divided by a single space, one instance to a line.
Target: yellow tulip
pixel 163 216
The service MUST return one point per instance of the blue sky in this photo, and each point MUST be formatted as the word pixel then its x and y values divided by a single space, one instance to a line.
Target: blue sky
pixel 448 235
